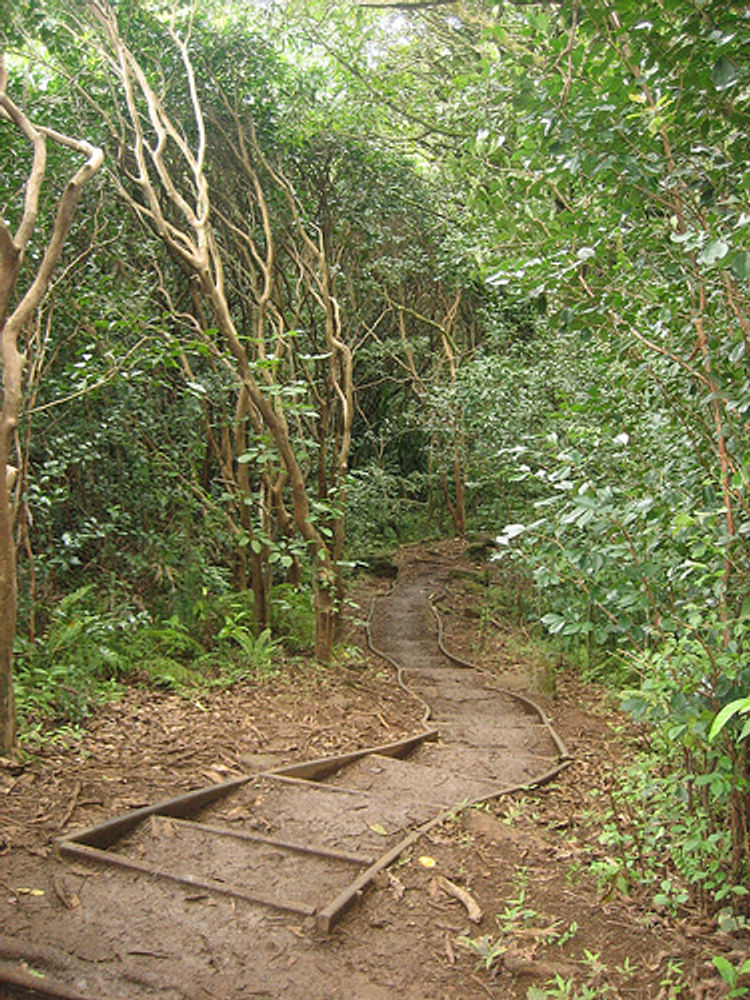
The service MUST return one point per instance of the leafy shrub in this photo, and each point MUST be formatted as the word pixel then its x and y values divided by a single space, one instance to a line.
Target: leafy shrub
pixel 293 617
pixel 384 509
pixel 76 663
pixel 687 802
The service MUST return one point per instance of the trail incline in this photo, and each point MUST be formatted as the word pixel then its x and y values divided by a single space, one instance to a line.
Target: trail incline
pixel 198 896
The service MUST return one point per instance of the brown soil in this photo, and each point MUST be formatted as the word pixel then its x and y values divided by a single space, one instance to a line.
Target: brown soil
pixel 522 859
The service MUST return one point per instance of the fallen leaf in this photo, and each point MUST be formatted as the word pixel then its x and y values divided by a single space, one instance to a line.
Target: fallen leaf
pixel 379 829
pixel 396 885
pixel 67 896
pixel 427 862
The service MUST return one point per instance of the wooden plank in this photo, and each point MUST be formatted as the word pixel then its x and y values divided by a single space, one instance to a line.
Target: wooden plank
pixel 326 917
pixel 315 786
pixel 106 833
pixel 286 845
pixel 313 770
pixel 36 987
pixel 329 914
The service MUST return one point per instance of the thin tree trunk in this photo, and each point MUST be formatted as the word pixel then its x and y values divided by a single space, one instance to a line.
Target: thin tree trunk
pixel 12 323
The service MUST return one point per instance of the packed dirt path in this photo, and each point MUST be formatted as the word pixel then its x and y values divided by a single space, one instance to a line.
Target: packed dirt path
pixel 136 933
pixel 73 927
pixel 494 738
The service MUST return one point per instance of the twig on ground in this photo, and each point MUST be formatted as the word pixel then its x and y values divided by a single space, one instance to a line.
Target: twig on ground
pixel 71 805
pixel 463 896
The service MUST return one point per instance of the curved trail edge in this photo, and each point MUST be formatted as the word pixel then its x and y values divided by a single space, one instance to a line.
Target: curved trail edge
pixel 565 757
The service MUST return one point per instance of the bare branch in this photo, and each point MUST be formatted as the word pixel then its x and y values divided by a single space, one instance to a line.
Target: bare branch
pixel 36 177
pixel 66 209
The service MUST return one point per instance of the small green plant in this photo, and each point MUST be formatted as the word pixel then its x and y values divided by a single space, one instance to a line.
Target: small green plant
pixel 515 809
pixel 516 913
pixel 64 736
pixel 627 968
pixel 165 654
pixel 732 973
pixel 516 919
pixel 573 874
pixel 593 963
pixel 672 982
pixel 76 664
pixel 663 833
pixel 560 988
pixel 259 654
pixel 486 948
pixel 567 935
pixel 293 617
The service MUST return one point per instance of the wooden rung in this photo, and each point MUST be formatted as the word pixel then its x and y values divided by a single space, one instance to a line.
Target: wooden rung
pixel 286 845
pixel 316 785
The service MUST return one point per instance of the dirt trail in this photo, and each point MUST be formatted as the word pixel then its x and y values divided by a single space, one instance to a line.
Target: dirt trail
pixel 484 732
pixel 293 839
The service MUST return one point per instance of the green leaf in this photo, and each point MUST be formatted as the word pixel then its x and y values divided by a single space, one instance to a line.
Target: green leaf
pixel 555 623
pixel 536 993
pixel 741 265
pixel 725 969
pixel 724 73
pixel 740 705
pixel 715 250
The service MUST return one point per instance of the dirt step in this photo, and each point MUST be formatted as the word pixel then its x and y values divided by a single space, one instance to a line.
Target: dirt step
pixel 277 875
pixel 391 779
pixel 321 814
pixel 483 732
pixel 487 766
pixel 466 686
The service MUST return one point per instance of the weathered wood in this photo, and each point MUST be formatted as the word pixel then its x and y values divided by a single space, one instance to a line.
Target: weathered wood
pixel 17 983
pixel 323 766
pixel 106 833
pixel 285 845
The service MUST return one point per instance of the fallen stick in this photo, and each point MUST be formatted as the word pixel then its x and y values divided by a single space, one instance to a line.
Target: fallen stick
pixel 71 806
pixel 472 907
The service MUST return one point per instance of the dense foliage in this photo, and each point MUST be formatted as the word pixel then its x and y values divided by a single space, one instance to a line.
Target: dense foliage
pixel 359 274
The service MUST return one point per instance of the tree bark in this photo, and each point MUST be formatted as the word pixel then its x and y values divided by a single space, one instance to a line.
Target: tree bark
pixel 12 323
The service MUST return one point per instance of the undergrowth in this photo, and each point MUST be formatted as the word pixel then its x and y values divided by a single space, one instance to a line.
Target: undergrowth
pixel 677 825
pixel 90 650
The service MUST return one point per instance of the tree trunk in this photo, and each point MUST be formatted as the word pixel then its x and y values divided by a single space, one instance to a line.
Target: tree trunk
pixel 459 485
pixel 12 323
pixel 7 609
pixel 184 223
pixel 326 619
pixel 10 259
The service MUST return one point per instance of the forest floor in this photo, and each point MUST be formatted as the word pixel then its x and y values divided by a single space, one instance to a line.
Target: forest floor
pixel 548 929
